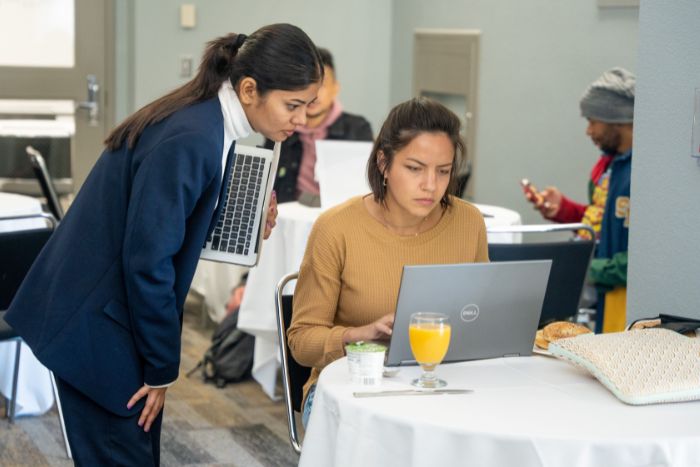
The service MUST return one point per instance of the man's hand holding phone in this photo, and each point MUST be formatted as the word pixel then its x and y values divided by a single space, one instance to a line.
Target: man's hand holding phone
pixel 546 201
pixel 531 192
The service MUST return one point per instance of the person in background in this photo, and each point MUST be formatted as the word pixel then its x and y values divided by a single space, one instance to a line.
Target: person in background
pixel 102 305
pixel 608 105
pixel 325 119
pixel 236 297
pixel 350 275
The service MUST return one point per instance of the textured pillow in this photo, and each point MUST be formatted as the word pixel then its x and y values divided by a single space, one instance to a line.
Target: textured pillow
pixel 646 366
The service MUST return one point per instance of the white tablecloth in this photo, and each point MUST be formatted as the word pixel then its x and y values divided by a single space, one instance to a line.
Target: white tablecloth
pixel 496 216
pixel 34 393
pixel 282 254
pixel 529 411
pixel 213 282
pixel 12 205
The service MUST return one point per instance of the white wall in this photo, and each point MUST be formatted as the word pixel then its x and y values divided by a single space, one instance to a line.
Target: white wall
pixel 537 57
pixel 664 221
pixel 358 33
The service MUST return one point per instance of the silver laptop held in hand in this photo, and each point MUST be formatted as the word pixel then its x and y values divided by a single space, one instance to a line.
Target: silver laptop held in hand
pixel 493 308
pixel 238 234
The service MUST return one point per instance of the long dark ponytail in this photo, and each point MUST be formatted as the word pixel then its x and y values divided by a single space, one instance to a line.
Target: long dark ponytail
pixel 278 56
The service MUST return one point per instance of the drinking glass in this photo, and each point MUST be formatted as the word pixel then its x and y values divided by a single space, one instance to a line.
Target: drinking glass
pixel 429 334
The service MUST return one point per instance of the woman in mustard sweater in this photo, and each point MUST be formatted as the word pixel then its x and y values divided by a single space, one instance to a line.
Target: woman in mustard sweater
pixel 349 278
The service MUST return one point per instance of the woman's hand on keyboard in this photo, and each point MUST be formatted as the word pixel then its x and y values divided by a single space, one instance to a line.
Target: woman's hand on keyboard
pixel 380 329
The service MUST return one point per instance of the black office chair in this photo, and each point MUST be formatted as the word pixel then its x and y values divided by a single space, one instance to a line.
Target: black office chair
pixel 18 250
pixel 47 188
pixel 570 260
pixel 294 375
pixel 463 180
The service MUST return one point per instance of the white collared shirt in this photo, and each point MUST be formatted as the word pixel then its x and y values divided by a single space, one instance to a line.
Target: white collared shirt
pixel 236 124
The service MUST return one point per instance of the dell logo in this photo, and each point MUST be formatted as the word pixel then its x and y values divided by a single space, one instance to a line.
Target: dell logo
pixel 469 313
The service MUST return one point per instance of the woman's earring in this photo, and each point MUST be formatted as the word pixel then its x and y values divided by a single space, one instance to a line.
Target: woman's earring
pixel 384 184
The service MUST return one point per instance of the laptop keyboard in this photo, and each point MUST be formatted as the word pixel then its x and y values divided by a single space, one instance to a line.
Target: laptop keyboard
pixel 234 229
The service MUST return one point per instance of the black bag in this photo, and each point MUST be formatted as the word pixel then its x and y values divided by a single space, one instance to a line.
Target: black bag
pixel 229 359
pixel 680 324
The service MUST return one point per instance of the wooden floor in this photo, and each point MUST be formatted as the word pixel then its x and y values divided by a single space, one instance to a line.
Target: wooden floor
pixel 203 425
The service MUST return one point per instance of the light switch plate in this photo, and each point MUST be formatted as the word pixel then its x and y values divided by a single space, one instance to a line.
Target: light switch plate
pixel 188 18
pixel 695 150
pixel 185 66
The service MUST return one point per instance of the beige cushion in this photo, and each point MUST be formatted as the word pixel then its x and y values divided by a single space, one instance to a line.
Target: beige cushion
pixel 645 366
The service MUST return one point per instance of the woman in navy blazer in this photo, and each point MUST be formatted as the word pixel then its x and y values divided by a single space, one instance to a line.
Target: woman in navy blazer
pixel 102 305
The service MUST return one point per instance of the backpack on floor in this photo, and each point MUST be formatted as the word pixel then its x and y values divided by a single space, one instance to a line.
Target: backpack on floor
pixel 229 359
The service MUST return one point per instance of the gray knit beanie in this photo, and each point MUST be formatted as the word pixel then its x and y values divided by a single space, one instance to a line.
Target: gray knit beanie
pixel 610 98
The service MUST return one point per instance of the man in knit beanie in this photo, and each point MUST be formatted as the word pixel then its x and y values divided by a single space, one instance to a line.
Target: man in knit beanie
pixel 608 105
pixel 610 98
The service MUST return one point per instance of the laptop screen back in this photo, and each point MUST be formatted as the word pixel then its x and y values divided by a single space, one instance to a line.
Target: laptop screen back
pixel 493 308
pixel 570 261
pixel 341 170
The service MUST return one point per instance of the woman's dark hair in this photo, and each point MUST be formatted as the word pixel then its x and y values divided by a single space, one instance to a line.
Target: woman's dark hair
pixel 326 58
pixel 278 56
pixel 406 121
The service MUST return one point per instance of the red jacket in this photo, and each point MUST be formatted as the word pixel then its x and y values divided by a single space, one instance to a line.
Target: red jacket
pixel 571 211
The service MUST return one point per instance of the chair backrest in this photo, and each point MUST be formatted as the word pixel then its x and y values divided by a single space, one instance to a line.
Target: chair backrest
pixel 47 188
pixel 570 261
pixel 18 250
pixel 294 375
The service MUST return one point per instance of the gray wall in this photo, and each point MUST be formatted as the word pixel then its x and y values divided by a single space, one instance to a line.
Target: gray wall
pixel 123 57
pixel 537 57
pixel 664 248
pixel 534 68
pixel 358 33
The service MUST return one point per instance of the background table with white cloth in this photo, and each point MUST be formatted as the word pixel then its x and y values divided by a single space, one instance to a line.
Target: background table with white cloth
pixel 34 393
pixel 525 411
pixel 213 282
pixel 12 205
pixel 282 253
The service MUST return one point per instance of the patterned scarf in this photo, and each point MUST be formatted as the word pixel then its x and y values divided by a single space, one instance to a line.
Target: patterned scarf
pixel 306 181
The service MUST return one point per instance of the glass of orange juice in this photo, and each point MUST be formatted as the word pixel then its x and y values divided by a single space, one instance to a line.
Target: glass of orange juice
pixel 429 334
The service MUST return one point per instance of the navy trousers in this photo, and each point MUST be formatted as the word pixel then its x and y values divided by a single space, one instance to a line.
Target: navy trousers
pixel 98 437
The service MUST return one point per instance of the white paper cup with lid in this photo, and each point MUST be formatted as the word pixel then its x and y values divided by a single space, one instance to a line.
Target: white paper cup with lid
pixel 366 363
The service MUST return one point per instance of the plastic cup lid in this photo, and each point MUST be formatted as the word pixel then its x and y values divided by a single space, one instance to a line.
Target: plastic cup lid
pixel 365 347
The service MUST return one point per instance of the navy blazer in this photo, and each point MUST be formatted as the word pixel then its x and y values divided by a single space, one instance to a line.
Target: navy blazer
pixel 102 305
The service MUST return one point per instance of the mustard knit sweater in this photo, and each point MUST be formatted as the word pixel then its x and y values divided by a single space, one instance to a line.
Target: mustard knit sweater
pixel 351 272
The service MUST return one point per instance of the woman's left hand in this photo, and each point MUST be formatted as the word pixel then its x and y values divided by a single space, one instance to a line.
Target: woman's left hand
pixel 271 216
pixel 155 399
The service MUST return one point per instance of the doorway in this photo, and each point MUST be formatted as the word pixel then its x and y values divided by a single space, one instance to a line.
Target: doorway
pixel 60 67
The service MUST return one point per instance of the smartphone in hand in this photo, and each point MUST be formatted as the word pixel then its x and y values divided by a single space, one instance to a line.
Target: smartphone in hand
pixel 533 194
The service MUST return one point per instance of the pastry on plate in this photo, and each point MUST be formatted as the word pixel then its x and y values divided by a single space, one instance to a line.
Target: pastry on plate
pixel 562 330
pixel 540 341
pixel 558 330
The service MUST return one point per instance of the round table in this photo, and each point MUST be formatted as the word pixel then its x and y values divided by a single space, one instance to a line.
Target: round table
pixel 34 392
pixel 282 253
pixel 525 411
pixel 12 205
